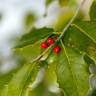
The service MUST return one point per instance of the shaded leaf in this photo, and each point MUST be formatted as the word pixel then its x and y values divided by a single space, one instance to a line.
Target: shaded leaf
pixel 72 72
pixel 63 2
pixel 70 3
pixel 4 90
pixel 82 37
pixel 28 53
pixel 93 11
pixel 33 36
pixel 5 78
pixel 21 79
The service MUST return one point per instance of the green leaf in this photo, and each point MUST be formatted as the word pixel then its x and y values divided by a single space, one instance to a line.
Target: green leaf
pixel 67 3
pixel 93 84
pixel 4 90
pixel 93 11
pixel 5 78
pixel 72 72
pixel 33 36
pixel 62 20
pixel 82 36
pixel 21 79
pixel 29 19
pixel 29 52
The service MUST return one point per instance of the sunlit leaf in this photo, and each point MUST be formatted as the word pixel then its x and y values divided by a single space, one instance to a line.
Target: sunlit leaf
pixel 82 36
pixel 72 72
pixel 62 20
pixel 30 52
pixel 21 79
pixel 4 90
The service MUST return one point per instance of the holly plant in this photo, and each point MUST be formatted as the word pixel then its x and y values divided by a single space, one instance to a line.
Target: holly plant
pixel 67 56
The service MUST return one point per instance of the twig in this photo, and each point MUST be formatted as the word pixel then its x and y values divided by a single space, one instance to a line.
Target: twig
pixel 41 55
pixel 64 30
pixel 70 22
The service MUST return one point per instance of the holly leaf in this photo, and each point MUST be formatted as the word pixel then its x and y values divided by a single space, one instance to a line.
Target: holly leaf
pixel 92 12
pixel 33 36
pixel 72 72
pixel 28 53
pixel 82 36
pixel 21 79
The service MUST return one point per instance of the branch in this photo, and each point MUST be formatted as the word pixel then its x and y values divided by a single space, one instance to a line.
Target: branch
pixel 64 30
pixel 42 54
pixel 71 21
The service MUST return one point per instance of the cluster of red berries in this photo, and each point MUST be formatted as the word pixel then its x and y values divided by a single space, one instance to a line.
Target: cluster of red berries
pixel 49 42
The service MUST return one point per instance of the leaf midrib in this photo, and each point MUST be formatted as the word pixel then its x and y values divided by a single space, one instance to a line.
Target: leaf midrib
pixel 83 31
pixel 32 66
pixel 72 73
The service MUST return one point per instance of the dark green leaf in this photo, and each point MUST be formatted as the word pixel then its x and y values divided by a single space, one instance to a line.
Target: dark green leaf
pixel 88 60
pixel 93 11
pixel 33 36
pixel 63 2
pixel 82 37
pixel 72 72
pixel 30 52
pixel 4 79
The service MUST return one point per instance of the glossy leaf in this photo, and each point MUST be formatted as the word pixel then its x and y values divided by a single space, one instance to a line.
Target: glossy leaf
pixel 72 72
pixel 82 36
pixel 33 36
pixel 28 53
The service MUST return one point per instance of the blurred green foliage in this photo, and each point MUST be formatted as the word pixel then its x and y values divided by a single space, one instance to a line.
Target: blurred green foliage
pixel 68 71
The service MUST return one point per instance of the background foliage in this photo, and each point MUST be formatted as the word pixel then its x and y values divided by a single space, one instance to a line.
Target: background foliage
pixel 69 73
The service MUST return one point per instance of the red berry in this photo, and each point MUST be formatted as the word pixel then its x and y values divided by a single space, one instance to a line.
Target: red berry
pixel 56 49
pixel 44 45
pixel 50 41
